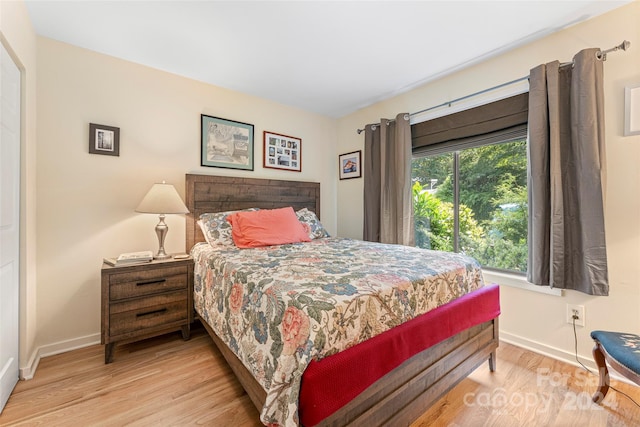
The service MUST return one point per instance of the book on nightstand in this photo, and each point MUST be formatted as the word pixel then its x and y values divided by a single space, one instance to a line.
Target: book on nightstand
pixel 130 258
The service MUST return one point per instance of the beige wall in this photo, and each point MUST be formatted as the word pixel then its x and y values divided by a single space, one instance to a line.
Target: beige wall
pixel 528 318
pixel 86 201
pixel 19 38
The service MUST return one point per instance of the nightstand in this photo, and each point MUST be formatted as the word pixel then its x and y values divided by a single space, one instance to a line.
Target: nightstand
pixel 144 300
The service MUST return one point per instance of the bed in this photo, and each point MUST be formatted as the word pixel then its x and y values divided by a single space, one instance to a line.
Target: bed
pixel 397 389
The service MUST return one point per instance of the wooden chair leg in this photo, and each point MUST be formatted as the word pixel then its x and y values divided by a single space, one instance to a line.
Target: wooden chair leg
pixel 603 387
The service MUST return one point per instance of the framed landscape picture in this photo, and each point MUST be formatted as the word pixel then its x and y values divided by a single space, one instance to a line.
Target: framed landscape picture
pixel 226 143
pixel 282 152
pixel 350 165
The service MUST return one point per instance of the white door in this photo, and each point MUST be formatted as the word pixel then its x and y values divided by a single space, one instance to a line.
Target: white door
pixel 9 223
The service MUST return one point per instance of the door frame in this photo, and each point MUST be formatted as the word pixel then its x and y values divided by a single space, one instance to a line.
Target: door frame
pixel 4 44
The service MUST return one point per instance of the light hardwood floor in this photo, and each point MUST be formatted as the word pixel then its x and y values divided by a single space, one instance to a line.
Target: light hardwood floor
pixel 166 381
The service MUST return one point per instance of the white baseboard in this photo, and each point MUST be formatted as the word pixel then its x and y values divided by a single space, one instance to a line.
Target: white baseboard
pixel 27 372
pixel 546 350
pixel 557 354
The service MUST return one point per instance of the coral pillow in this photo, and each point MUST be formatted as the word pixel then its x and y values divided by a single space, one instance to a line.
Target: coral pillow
pixel 266 227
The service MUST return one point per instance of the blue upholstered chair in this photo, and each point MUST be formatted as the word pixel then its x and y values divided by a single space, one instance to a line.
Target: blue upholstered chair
pixel 622 352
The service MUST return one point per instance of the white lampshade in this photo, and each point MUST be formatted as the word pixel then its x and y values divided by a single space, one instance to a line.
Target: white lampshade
pixel 162 199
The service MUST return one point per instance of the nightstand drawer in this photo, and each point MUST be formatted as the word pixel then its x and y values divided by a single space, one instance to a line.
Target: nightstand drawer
pixel 140 283
pixel 148 312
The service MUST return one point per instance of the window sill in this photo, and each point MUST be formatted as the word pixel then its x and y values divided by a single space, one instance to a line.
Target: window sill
pixel 516 281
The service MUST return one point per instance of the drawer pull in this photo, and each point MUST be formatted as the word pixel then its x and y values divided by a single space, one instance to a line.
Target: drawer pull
pixel 151 282
pixel 162 310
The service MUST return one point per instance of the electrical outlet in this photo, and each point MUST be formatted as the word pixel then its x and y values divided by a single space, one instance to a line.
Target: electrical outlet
pixel 575 310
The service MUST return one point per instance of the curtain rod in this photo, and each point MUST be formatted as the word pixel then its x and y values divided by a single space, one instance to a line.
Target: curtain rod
pixel 602 55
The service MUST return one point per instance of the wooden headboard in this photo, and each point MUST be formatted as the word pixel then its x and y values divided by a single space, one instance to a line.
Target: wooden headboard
pixel 207 193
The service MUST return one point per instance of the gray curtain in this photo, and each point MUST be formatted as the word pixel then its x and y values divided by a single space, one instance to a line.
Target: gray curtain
pixel 567 175
pixel 388 209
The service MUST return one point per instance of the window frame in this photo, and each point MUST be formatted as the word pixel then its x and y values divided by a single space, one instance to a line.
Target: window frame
pixel 455 151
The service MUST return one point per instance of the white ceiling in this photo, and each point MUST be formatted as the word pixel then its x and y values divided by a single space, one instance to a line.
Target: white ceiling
pixel 328 57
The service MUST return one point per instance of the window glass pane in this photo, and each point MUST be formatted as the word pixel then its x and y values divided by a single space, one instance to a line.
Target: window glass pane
pixel 433 201
pixel 492 205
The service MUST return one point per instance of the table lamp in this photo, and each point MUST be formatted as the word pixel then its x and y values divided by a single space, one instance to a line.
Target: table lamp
pixel 162 199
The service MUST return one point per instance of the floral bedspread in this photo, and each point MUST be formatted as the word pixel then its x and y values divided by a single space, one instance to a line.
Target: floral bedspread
pixel 279 307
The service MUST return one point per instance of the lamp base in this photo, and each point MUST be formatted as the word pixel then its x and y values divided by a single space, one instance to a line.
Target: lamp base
pixel 161 256
pixel 161 232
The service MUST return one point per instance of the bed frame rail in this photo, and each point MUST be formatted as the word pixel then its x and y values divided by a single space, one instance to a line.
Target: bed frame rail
pixel 404 394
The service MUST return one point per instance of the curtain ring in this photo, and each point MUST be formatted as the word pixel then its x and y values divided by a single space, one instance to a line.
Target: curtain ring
pixel 373 127
pixel 406 116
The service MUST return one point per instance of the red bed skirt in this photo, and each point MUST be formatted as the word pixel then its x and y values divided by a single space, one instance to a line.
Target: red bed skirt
pixel 350 372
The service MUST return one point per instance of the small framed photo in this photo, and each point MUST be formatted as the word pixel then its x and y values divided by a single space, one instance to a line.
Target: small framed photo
pixel 632 110
pixel 282 152
pixel 226 143
pixel 350 165
pixel 104 140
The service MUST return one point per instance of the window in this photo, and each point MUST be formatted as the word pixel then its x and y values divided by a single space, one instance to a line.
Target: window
pixel 469 175
pixel 483 212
